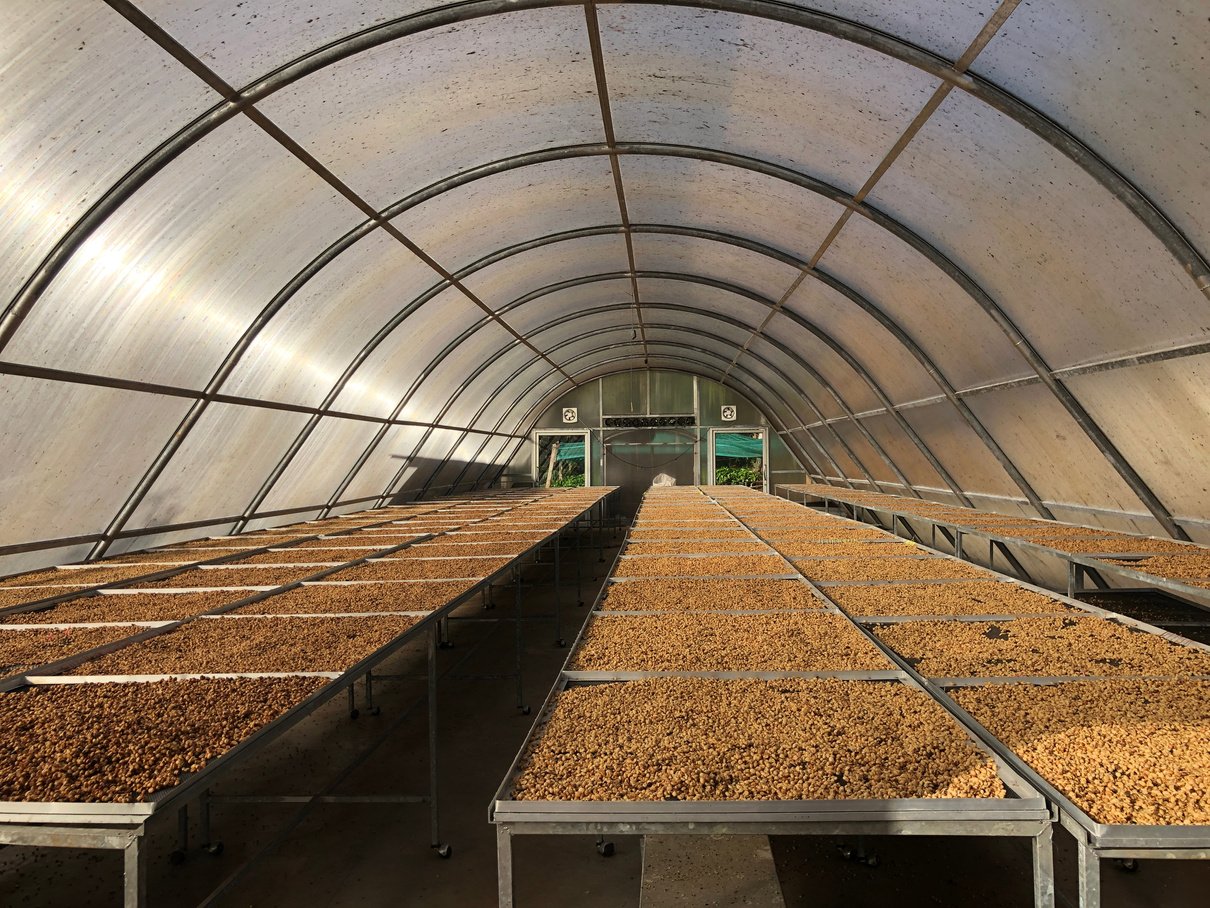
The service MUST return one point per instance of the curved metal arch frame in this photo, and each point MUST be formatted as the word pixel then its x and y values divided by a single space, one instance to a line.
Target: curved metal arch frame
pixel 364 457
pixel 235 102
pixel 789 408
pixel 721 377
pixel 597 311
pixel 457 481
pixel 784 350
pixel 780 347
pixel 811 328
pixel 700 369
pixel 1006 103
pixel 889 324
pixel 801 454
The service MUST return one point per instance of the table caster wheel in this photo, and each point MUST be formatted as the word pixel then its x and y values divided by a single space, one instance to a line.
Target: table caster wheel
pixel 605 849
pixel 525 710
pixel 561 643
pixel 871 861
pixel 445 644
pixel 1126 865
pixel 376 711
pixel 444 851
pixel 214 848
pixel 354 713
pixel 177 857
pixel 580 604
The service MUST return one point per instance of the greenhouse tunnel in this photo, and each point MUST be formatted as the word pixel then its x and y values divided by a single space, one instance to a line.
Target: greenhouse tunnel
pixel 267 261
pixel 263 262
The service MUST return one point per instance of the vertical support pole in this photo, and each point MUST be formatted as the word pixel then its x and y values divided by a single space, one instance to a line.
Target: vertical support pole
pixel 134 877
pixel 1073 579
pixel 559 641
pixel 504 866
pixel 203 804
pixel 991 553
pixel 182 829
pixel 353 699
pixel 434 816
pixel 370 694
pixel 579 562
pixel 601 531
pixel 1089 866
pixel 517 637
pixel 1044 868
pixel 933 535
pixel 958 543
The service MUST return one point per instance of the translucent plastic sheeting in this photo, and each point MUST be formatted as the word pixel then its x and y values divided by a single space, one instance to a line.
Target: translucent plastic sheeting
pixel 830 456
pixel 398 117
pixel 553 335
pixel 703 296
pixel 672 315
pixel 1159 146
pixel 138 543
pixel 462 225
pixel 710 196
pixel 504 410
pixel 671 393
pixel 1158 417
pixel 396 446
pixel 167 285
pixel 264 523
pixel 906 455
pixel 479 353
pixel 428 459
pixel 220 465
pixel 1143 524
pixel 599 339
pixel 29 561
pixel 488 397
pixel 978 182
pixel 956 444
pixel 712 397
pixel 529 316
pixel 878 353
pixel 864 452
pixel 748 85
pixel 110 85
pixel 52 486
pixel 301 352
pixel 945 27
pixel 706 258
pixel 244 39
pixel 503 282
pixel 683 328
pixel 462 469
pixel 323 461
pixel 377 386
pixel 930 307
pixel 834 370
pixel 1050 449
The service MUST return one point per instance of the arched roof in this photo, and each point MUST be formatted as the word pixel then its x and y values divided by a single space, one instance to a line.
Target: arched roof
pixel 260 254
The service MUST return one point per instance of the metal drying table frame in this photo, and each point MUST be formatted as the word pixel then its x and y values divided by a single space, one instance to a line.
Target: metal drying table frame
pixel 1023 814
pixel 122 826
pixel 1094 841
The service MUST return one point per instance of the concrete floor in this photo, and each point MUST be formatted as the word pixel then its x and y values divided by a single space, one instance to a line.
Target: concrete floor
pixel 373 854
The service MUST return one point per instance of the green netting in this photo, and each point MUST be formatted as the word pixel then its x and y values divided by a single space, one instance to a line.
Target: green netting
pixel 571 450
pixel 742 446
